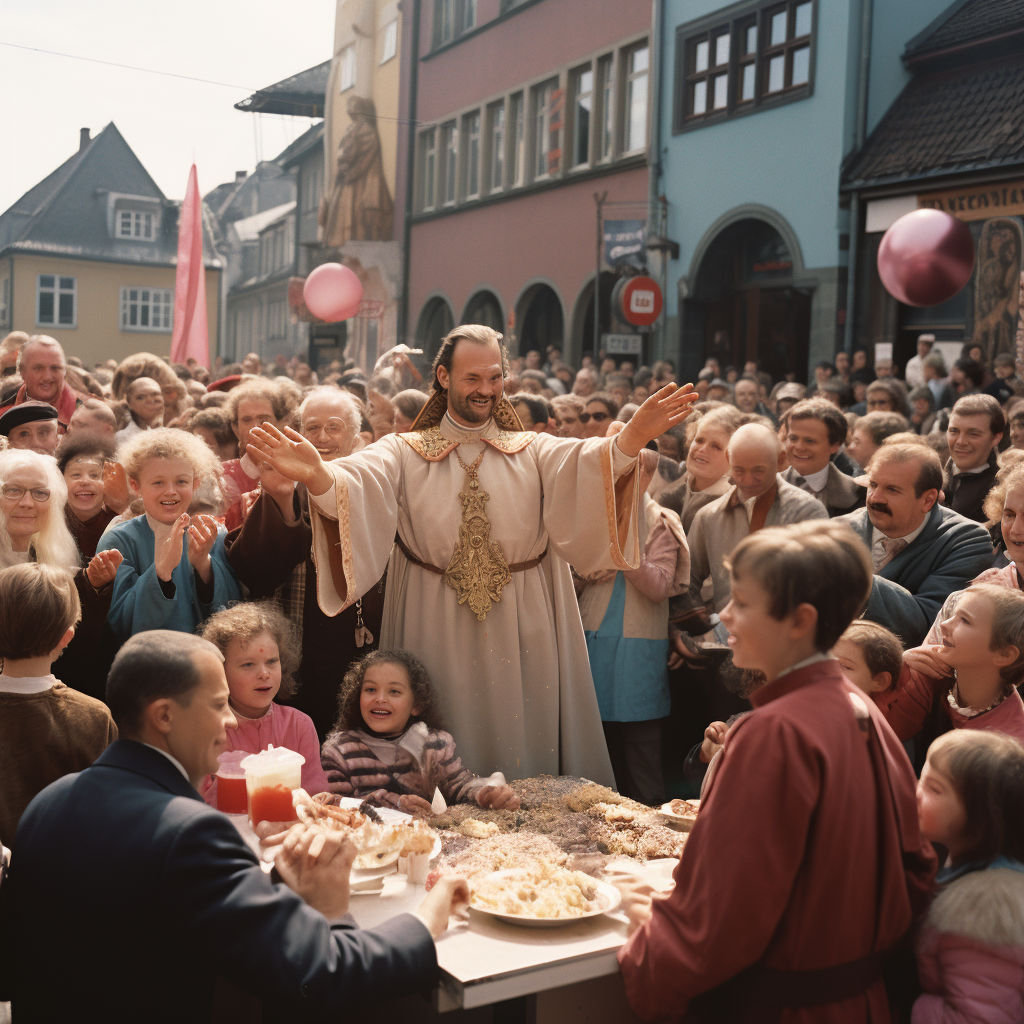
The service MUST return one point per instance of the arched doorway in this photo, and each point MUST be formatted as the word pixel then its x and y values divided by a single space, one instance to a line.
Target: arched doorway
pixel 539 321
pixel 435 321
pixel 484 308
pixel 583 317
pixel 744 305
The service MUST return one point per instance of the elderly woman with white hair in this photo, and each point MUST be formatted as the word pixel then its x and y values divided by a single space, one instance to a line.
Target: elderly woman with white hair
pixel 33 529
pixel 271 554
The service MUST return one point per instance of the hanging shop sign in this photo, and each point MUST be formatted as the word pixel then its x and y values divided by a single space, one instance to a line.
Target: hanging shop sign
pixel 624 243
pixel 979 202
pixel 622 344
pixel 641 301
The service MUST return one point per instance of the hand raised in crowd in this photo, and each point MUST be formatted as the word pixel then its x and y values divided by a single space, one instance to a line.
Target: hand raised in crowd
pixel 167 552
pixel 202 535
pixel 714 737
pixel 498 798
pixel 413 804
pixel 927 659
pixel 317 867
pixel 663 409
pixel 115 487
pixel 449 896
pixel 683 650
pixel 291 455
pixel 102 569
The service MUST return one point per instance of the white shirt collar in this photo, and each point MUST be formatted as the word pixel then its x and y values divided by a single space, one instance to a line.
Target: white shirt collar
pixel 26 684
pixel 817 481
pixel 813 659
pixel 170 757
pixel 877 536
pixel 969 472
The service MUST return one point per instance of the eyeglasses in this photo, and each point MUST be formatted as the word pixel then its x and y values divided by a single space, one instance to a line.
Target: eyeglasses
pixel 598 416
pixel 15 493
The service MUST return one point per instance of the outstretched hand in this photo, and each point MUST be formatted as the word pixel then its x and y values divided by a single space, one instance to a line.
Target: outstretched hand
pixel 102 568
pixel 291 455
pixel 663 409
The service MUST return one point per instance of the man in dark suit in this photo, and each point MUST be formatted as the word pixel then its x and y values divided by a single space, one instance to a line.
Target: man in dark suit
pixel 921 551
pixel 163 909
pixel 814 435
pixel 976 425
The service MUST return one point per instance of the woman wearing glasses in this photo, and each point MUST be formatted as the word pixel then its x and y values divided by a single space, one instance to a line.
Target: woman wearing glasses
pixel 33 529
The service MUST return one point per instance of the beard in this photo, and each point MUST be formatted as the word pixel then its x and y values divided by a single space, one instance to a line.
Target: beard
pixel 461 405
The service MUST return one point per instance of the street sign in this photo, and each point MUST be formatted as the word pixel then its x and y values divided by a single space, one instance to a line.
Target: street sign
pixel 621 344
pixel 641 301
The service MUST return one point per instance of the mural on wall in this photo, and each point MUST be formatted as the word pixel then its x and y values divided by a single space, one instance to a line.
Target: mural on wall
pixel 359 207
pixel 996 291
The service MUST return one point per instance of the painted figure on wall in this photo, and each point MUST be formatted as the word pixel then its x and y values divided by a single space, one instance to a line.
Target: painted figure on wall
pixel 359 207
pixel 996 292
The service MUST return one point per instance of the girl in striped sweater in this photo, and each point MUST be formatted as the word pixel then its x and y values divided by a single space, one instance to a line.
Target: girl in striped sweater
pixel 388 747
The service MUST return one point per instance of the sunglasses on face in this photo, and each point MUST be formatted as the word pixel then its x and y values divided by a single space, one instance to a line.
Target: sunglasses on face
pixel 596 416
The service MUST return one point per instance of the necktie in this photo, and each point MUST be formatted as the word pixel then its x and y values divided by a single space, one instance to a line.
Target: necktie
pixel 892 547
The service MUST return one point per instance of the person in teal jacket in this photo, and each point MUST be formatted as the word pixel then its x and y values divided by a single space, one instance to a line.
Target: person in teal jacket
pixel 175 572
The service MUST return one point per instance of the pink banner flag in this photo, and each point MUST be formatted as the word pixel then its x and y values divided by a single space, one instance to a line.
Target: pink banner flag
pixel 190 340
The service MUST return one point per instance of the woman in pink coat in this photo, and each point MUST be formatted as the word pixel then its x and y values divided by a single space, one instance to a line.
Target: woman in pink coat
pixel 970 951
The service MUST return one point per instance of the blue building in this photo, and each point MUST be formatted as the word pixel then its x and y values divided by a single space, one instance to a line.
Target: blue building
pixel 762 103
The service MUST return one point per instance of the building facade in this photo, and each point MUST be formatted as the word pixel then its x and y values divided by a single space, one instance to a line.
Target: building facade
pixel 508 158
pixel 762 103
pixel 89 255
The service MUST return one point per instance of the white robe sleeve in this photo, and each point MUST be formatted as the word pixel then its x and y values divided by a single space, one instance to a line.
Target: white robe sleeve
pixel 593 495
pixel 354 523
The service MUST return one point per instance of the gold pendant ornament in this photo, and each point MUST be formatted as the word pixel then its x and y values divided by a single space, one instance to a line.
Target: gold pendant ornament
pixel 478 571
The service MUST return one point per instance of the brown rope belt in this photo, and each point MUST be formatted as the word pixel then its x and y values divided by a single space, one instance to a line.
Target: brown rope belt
pixel 514 567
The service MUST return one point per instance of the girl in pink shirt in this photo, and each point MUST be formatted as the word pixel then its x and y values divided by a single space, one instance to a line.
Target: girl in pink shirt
pixel 970 952
pixel 261 654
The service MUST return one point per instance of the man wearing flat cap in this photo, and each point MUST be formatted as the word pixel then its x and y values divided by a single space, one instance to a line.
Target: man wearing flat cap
pixel 31 425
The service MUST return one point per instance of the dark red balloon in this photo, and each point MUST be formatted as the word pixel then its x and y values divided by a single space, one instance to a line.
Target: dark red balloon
pixel 926 257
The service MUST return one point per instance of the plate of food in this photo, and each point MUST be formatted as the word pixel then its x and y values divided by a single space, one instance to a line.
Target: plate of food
pixel 542 896
pixel 681 812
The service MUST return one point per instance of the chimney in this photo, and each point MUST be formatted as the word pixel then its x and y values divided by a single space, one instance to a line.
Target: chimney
pixel 83 138
pixel 241 176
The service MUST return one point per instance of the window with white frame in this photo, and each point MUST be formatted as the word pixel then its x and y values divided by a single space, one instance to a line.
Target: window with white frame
pixel 56 301
pixel 347 68
pixel 429 143
pixel 135 224
pixel 277 321
pixel 452 18
pixel 389 46
pixel 468 15
pixel 450 135
pixel 5 300
pixel 147 309
pixel 546 125
pixel 582 104
pixel 637 62
pixel 471 128
pixel 496 119
pixel 517 119
pixel 606 78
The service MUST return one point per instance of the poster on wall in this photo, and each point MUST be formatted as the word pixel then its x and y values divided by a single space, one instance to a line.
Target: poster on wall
pixel 997 290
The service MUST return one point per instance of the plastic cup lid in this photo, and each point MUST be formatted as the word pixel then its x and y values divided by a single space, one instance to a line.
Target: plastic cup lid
pixel 271 758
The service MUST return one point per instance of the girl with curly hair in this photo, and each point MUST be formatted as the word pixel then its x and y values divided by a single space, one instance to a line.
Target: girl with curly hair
pixel 388 747
pixel 261 649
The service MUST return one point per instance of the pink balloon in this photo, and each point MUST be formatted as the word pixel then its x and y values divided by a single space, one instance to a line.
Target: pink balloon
pixel 332 292
pixel 926 257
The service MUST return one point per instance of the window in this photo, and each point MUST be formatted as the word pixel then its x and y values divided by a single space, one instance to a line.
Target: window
pixel 147 309
pixel 451 162
pixel 313 186
pixel 547 122
pixel 445 11
pixel 497 144
pixel 452 18
pixel 468 12
pixel 636 98
pixel 429 168
pixel 606 76
pixel 5 300
pixel 390 44
pixel 518 120
pixel 471 127
pixel 763 54
pixel 347 68
pixel 277 322
pixel 135 224
pixel 583 98
pixel 56 301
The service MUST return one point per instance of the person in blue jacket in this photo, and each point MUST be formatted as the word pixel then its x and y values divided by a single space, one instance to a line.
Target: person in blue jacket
pixel 175 573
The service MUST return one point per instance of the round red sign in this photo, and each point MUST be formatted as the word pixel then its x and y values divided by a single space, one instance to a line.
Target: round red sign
pixel 641 301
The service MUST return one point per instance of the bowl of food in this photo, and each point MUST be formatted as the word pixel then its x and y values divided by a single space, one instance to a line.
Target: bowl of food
pixel 544 895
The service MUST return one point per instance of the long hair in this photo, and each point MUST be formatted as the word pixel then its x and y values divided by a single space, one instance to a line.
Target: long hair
pixel 349 715
pixel 53 544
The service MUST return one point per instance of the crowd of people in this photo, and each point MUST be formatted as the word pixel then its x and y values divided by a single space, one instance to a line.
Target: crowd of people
pixel 630 573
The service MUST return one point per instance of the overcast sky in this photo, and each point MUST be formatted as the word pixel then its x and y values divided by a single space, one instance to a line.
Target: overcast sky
pixel 170 123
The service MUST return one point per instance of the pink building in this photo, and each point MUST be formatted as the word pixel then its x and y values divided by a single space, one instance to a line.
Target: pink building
pixel 523 111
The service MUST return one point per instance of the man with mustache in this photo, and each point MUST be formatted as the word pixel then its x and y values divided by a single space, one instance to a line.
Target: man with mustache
pixel 477 522
pixel 921 551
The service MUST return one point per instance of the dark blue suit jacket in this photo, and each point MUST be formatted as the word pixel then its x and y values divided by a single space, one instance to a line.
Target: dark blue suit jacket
pixel 128 896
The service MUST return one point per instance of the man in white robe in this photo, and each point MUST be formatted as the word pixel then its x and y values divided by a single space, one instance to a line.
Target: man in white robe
pixel 476 522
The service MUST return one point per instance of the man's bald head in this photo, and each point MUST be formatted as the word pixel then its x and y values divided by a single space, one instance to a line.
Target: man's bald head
pixel 753 459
